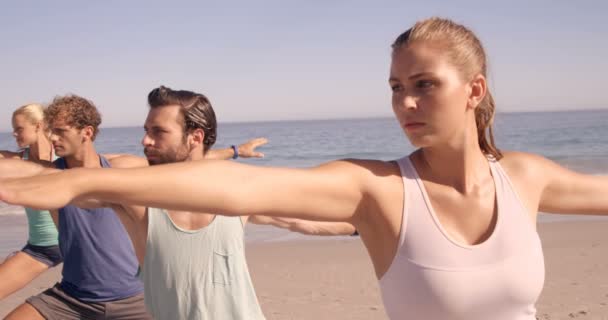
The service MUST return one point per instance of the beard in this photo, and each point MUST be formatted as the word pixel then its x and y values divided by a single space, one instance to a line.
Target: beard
pixel 172 155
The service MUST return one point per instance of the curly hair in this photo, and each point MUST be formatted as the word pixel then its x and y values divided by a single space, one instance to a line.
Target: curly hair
pixel 76 111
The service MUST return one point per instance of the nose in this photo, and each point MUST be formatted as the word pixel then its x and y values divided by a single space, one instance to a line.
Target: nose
pixel 53 137
pixel 15 134
pixel 146 140
pixel 405 102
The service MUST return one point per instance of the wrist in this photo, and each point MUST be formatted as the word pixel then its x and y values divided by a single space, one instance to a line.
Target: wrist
pixel 235 150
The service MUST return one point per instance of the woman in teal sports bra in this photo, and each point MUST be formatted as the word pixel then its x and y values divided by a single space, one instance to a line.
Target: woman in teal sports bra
pixel 41 251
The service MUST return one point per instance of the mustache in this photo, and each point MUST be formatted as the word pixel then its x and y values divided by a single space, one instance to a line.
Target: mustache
pixel 151 152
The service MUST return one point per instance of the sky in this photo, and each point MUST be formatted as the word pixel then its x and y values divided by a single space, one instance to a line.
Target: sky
pixel 285 60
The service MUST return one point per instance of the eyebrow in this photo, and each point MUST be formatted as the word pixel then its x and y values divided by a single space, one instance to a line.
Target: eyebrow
pixel 412 77
pixel 155 127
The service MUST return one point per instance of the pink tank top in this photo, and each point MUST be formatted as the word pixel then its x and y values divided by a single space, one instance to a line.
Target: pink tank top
pixel 435 277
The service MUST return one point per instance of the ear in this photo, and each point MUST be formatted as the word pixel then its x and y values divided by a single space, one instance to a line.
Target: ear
pixel 478 89
pixel 88 132
pixel 196 138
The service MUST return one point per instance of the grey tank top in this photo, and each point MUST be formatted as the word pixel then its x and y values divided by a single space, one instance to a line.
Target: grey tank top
pixel 200 274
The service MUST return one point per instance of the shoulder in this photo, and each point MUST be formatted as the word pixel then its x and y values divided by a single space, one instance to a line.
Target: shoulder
pixel 10 155
pixel 529 168
pixel 371 174
pixel 127 161
pixel 361 167
pixel 524 162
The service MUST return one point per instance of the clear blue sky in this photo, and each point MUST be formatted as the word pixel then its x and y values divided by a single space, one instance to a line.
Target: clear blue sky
pixel 269 60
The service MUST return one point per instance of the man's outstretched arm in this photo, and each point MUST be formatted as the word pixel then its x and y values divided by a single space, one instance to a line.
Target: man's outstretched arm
pixel 245 150
pixel 313 228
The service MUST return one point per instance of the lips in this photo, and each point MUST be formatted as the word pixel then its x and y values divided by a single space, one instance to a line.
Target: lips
pixel 150 154
pixel 413 125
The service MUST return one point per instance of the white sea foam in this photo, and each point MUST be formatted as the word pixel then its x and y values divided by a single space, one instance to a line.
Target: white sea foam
pixel 6 210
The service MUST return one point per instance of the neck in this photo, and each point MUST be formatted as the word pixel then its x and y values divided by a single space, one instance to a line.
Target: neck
pixel 86 157
pixel 196 154
pixel 460 165
pixel 41 150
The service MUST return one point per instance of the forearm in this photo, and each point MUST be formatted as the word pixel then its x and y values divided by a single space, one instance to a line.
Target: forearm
pixel 322 228
pixel 219 154
pixel 313 228
pixel 16 168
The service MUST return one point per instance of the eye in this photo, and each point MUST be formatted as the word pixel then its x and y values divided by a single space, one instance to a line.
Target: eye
pixel 157 132
pixel 396 87
pixel 424 84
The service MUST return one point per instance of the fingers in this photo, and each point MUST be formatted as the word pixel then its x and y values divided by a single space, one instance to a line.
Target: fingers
pixel 257 142
pixel 247 150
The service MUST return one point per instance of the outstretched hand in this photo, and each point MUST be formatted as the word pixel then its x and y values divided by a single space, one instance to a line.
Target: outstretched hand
pixel 247 149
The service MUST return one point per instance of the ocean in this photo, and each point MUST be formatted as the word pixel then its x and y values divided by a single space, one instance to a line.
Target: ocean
pixel 575 139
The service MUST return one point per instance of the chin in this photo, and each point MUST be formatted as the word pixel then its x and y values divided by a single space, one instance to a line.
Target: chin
pixel 420 141
pixel 153 162
pixel 61 153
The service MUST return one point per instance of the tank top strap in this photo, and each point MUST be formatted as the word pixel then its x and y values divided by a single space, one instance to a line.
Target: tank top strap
pixel 25 154
pixel 61 164
pixel 509 196
pixel 104 162
pixel 408 176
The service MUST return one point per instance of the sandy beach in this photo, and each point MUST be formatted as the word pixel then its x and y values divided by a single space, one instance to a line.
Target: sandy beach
pixel 333 279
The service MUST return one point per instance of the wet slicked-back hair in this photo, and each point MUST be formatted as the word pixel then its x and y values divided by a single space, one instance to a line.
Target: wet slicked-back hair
pixel 195 108
pixel 464 51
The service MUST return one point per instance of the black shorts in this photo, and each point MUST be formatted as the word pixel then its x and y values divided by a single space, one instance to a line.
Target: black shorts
pixel 51 255
pixel 55 304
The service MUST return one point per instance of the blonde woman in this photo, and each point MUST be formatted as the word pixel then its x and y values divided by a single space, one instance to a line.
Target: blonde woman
pixel 41 251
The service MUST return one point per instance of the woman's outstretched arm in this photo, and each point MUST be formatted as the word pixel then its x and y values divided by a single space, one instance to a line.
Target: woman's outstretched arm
pixel 336 191
pixel 561 190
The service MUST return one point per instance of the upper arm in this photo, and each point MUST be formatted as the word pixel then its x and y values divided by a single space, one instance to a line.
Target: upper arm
pixel 111 156
pixel 127 161
pixel 336 191
pixel 9 155
pixel 567 191
pixel 561 190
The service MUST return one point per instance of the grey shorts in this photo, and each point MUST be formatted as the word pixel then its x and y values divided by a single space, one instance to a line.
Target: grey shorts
pixel 51 255
pixel 55 304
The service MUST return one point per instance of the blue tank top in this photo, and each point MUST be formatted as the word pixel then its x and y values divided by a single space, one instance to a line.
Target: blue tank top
pixel 99 262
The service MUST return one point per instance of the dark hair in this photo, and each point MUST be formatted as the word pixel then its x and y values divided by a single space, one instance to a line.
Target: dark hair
pixel 195 108
pixel 76 111
pixel 466 53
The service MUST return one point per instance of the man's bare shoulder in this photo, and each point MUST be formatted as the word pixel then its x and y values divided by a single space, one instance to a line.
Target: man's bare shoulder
pixel 127 161
pixel 4 154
